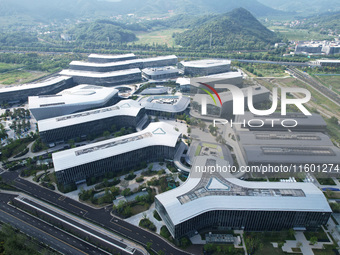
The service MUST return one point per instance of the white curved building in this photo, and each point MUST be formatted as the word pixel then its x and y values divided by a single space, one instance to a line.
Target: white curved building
pixel 156 105
pixel 22 92
pixel 155 143
pixel 205 66
pixel 212 200
pixel 76 99
pixel 126 113
pixel 105 58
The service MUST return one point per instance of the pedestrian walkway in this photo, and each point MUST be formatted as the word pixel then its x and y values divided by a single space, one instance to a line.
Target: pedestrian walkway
pixel 305 246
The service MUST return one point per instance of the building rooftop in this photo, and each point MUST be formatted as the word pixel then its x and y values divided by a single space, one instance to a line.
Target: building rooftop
pixel 157 133
pixel 204 192
pixel 170 104
pixel 70 72
pixel 292 154
pixel 205 63
pixel 303 120
pixel 227 75
pixel 227 96
pixel 284 138
pixel 40 84
pixel 81 94
pixel 168 57
pixel 106 64
pixel 328 60
pixel 155 91
pixel 104 56
pixel 123 108
pixel 160 70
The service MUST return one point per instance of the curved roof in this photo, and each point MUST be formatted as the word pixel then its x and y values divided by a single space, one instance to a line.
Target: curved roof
pixel 70 72
pixel 204 192
pixel 155 91
pixel 45 83
pixel 123 108
pixel 112 57
pixel 204 63
pixel 180 106
pixel 158 133
pixel 81 94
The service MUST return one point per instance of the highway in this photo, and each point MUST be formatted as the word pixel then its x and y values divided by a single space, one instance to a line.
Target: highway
pixel 45 233
pixel 100 217
pixel 331 95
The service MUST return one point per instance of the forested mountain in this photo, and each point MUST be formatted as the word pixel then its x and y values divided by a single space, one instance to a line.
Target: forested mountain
pixel 238 29
pixel 102 30
pixel 304 7
pixel 47 10
pixel 323 22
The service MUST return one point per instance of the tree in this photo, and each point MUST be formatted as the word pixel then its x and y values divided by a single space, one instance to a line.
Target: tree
pixel 298 245
pixel 106 134
pixel 313 240
pixel 148 245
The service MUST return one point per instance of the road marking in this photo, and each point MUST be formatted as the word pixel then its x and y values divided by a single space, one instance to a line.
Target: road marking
pixel 61 198
pixel 44 232
pixel 120 225
pixel 17 181
pixel 82 210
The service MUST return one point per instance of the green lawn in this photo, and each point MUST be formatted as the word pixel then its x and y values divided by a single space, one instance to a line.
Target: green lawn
pixel 330 81
pixel 158 37
pixel 19 77
pixel 298 34
pixel 317 98
pixel 198 150
pixel 4 67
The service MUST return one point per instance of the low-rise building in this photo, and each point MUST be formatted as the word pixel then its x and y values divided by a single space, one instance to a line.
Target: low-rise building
pixel 155 143
pixel 76 99
pixel 204 67
pixel 215 201
pixel 127 113
pixel 20 93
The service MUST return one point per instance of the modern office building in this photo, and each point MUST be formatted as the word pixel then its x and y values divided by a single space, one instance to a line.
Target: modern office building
pixel 160 105
pixel 328 62
pixel 105 67
pixel 76 99
pixel 159 90
pixel 170 60
pixel 297 122
pixel 20 93
pixel 204 67
pixel 214 201
pixel 104 79
pixel 127 64
pixel 217 81
pixel 155 143
pixel 318 47
pixel 260 95
pixel 161 73
pixel 102 58
pixel 127 113
pixel 286 148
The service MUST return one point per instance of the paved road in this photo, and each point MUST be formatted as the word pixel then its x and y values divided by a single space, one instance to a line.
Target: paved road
pixel 98 216
pixel 331 95
pixel 274 62
pixel 45 233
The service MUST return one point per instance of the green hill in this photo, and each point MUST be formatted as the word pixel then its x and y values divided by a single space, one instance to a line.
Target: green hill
pixel 102 30
pixel 43 10
pixel 323 22
pixel 303 7
pixel 235 30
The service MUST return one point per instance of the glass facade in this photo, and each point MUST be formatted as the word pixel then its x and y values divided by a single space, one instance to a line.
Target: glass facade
pixel 117 163
pixel 249 220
